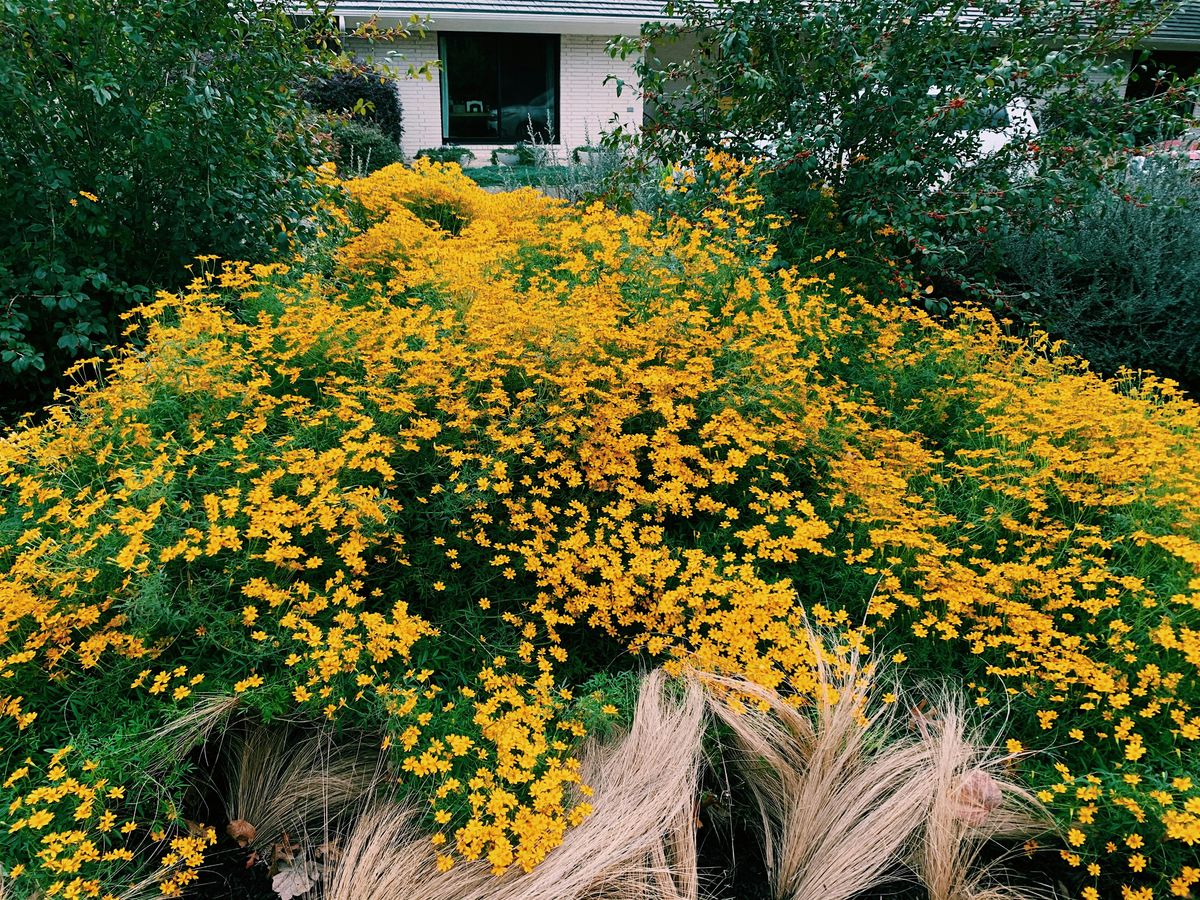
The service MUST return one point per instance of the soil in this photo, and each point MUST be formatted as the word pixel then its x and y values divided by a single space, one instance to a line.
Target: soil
pixel 231 873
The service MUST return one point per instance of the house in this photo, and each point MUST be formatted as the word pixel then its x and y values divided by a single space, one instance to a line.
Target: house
pixel 1174 46
pixel 510 70
pixel 513 70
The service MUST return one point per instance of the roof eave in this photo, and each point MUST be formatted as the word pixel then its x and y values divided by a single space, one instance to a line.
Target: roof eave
pixel 519 23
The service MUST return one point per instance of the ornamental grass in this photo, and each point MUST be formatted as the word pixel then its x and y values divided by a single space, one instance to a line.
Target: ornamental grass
pixel 447 488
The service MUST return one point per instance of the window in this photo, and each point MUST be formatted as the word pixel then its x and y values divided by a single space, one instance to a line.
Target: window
pixel 499 88
pixel 1156 71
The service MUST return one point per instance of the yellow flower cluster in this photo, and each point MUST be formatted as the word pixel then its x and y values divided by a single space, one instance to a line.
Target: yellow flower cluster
pixel 500 442
pixel 80 837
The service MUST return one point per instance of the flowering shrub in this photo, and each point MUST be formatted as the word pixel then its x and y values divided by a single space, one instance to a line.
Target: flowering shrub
pixel 500 448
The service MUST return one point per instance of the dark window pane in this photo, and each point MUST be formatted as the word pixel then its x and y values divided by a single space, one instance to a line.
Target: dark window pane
pixel 470 64
pixel 499 88
pixel 527 88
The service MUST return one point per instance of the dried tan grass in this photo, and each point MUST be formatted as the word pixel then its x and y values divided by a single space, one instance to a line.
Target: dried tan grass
pixel 640 841
pixel 383 858
pixel 847 797
pixel 974 802
pixel 193 726
pixel 284 781
pixel 638 844
pixel 841 791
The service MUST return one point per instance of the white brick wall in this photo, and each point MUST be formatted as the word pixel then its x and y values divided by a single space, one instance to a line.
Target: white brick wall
pixel 420 100
pixel 586 104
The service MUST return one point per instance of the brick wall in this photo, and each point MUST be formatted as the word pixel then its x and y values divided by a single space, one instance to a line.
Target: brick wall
pixel 586 104
pixel 420 100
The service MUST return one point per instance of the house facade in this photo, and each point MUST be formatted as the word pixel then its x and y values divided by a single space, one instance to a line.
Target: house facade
pixel 519 70
pixel 509 70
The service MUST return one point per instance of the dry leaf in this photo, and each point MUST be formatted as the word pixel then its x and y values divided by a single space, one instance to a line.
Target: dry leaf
pixel 292 881
pixel 978 794
pixel 241 831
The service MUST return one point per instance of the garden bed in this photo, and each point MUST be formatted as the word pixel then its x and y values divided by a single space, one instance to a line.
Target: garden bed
pixel 509 545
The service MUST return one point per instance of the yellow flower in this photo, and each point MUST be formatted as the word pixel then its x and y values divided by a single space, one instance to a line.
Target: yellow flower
pixel 248 683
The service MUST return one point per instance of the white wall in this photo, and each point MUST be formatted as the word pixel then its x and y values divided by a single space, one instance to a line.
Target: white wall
pixel 420 100
pixel 586 104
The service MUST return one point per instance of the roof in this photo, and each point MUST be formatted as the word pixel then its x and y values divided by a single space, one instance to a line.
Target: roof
pixel 1183 27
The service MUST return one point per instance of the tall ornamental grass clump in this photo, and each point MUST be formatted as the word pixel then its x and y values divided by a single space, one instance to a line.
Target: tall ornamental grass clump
pixel 441 491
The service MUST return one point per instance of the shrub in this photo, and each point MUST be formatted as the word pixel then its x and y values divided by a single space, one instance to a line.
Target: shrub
pixel 527 154
pixel 364 93
pixel 449 153
pixel 531 153
pixel 136 136
pixel 585 148
pixel 426 492
pixel 1119 277
pixel 361 149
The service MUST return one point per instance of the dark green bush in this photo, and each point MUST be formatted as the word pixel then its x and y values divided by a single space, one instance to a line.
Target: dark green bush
pixel 366 93
pixel 1119 278
pixel 361 148
pixel 135 136
pixel 448 153
pixel 531 153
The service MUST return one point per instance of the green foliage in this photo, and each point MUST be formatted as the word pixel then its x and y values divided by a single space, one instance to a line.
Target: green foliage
pixel 1119 277
pixel 871 112
pixel 361 149
pixel 531 153
pixel 135 136
pixel 527 153
pixel 605 702
pixel 363 93
pixel 449 153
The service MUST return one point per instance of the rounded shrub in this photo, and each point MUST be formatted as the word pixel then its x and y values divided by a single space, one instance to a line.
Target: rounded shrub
pixel 449 153
pixel 1119 278
pixel 362 149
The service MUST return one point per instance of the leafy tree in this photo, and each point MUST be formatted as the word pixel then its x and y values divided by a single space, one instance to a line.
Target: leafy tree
pixel 871 111
pixel 136 135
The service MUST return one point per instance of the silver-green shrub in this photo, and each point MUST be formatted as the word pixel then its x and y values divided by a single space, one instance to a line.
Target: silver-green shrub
pixel 1119 277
